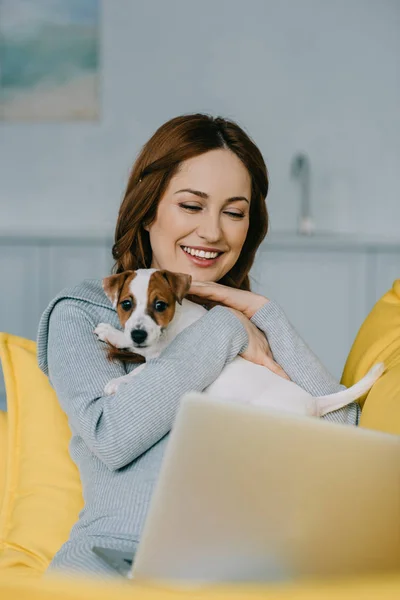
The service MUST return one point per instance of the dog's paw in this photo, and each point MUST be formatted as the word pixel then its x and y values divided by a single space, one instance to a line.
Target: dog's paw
pixel 103 331
pixel 112 386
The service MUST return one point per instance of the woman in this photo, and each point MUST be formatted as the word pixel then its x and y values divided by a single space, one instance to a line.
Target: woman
pixel 195 203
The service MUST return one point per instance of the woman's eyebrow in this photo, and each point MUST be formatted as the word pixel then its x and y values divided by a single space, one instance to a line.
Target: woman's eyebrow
pixel 206 196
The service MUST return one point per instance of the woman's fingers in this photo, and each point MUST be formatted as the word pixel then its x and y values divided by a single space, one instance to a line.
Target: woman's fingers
pixel 275 368
pixel 258 350
pixel 245 301
pixel 267 362
pixel 209 290
pixel 219 293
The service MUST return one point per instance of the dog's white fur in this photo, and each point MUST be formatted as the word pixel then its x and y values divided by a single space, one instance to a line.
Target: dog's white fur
pixel 240 381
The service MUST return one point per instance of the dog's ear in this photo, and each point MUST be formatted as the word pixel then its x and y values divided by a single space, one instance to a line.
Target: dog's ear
pixel 179 283
pixel 113 284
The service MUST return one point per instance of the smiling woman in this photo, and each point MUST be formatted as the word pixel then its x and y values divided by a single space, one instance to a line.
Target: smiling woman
pixel 194 205
pixel 201 229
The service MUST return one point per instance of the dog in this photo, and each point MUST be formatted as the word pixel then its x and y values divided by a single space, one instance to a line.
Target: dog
pixel 152 310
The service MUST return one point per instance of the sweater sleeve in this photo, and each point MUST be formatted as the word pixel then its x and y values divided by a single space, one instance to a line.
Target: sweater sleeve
pixel 292 353
pixel 119 428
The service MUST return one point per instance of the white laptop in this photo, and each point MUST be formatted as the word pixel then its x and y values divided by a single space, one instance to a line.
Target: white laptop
pixel 246 494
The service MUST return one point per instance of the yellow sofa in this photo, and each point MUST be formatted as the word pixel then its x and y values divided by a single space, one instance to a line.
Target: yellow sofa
pixel 40 493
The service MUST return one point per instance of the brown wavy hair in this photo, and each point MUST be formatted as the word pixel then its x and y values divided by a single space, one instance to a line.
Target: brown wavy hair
pixel 178 140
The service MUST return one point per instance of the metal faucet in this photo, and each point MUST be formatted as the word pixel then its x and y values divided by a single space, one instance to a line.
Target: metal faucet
pixel 300 169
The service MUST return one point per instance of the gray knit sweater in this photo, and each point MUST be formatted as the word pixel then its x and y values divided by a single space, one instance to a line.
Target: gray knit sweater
pixel 118 441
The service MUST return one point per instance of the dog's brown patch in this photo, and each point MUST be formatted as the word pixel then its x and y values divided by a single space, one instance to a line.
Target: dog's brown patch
pixel 160 291
pixel 168 287
pixel 178 282
pixel 117 288
pixel 125 356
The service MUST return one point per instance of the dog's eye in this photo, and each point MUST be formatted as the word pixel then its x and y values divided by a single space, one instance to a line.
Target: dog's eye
pixel 126 305
pixel 160 306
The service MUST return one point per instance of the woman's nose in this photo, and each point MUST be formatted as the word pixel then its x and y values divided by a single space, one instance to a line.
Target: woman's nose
pixel 210 229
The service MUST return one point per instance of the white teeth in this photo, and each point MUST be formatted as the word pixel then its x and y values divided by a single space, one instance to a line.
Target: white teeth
pixel 200 253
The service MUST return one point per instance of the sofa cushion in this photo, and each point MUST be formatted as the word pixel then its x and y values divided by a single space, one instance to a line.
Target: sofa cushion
pixel 42 492
pixel 385 586
pixel 3 453
pixel 379 341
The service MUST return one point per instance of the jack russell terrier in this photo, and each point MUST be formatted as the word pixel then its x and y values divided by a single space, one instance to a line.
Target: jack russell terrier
pixel 152 311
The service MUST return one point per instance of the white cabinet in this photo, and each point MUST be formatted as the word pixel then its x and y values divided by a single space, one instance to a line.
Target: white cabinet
pixel 20 289
pixel 69 264
pixel 387 270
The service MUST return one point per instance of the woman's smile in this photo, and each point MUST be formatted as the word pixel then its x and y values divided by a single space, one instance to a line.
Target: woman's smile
pixel 202 256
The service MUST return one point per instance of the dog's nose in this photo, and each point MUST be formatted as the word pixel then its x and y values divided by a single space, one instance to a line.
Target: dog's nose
pixel 138 336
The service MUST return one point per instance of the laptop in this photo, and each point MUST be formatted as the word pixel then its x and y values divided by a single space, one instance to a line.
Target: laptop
pixel 246 494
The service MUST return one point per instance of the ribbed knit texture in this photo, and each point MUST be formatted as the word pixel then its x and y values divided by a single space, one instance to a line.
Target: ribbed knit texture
pixel 119 441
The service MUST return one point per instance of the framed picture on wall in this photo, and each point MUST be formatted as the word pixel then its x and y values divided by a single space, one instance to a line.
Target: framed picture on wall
pixel 49 60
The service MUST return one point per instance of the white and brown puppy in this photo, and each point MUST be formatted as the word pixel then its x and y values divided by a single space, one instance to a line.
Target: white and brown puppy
pixel 152 311
pixel 146 303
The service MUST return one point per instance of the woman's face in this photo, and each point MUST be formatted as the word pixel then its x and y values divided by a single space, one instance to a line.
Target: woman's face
pixel 203 217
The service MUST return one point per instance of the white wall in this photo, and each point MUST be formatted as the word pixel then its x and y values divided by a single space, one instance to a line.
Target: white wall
pixel 312 75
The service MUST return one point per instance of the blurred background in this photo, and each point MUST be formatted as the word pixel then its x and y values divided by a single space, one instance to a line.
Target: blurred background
pixel 316 84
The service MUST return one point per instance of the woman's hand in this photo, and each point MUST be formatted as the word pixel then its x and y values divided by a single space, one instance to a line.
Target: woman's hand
pixel 246 302
pixel 258 350
pixel 244 305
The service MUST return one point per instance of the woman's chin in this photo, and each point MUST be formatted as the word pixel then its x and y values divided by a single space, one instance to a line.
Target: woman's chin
pixel 200 274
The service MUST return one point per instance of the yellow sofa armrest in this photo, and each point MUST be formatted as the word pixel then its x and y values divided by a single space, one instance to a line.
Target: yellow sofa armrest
pixel 378 340
pixel 41 494
pixel 3 452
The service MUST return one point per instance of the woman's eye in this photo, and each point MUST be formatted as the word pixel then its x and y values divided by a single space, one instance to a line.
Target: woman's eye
pixel 160 306
pixel 195 208
pixel 126 305
pixel 191 207
pixel 235 215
